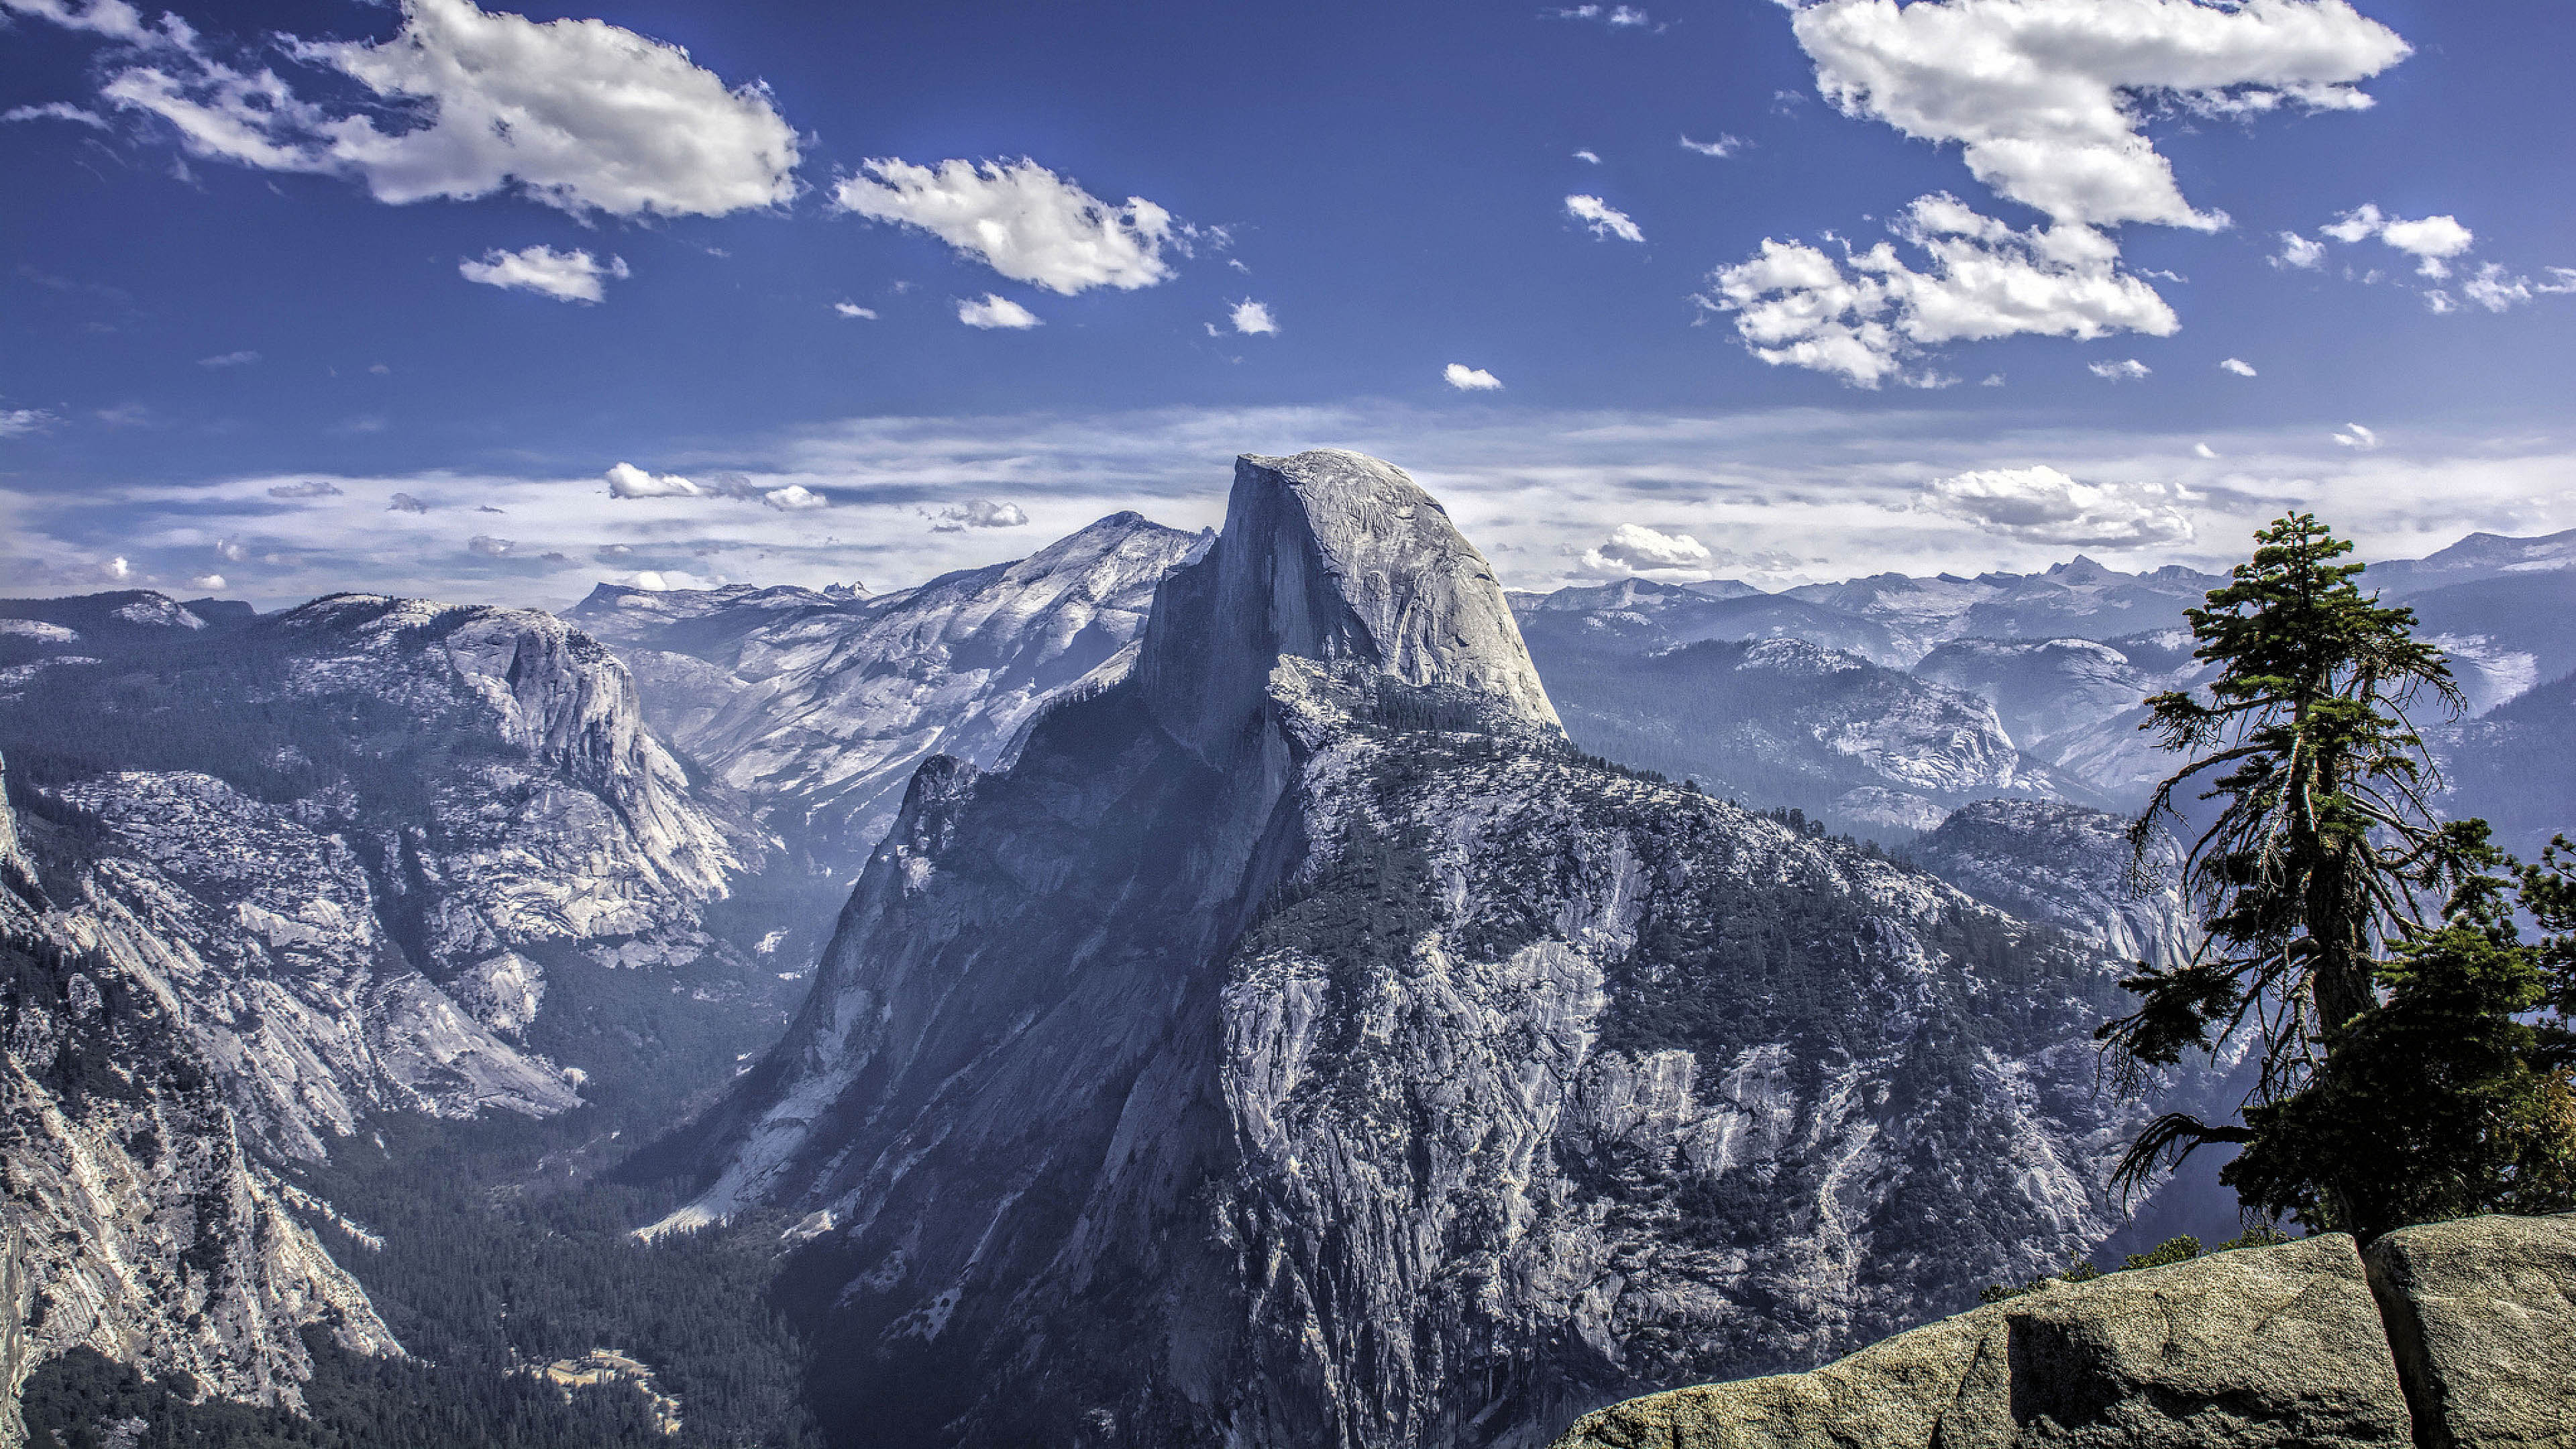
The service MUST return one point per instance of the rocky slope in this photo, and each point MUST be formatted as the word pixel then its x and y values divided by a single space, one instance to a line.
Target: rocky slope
pixel 1297 1044
pixel 2069 867
pixel 2449 1334
pixel 137 1218
pixel 817 705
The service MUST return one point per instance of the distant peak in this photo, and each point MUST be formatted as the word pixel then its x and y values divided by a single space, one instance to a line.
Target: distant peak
pixel 1336 556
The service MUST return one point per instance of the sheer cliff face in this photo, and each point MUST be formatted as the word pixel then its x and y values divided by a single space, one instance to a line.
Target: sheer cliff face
pixel 817 705
pixel 1298 1045
pixel 137 1219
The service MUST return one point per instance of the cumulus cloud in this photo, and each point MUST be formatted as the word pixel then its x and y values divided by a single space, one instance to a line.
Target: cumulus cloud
pixel 2431 240
pixel 1470 379
pixel 2237 365
pixel 625 480
pixel 1605 220
pixel 24 422
pixel 1020 219
pixel 993 310
pixel 229 359
pixel 2127 369
pixel 569 276
pixel 2203 450
pixel 794 498
pixel 577 114
pixel 490 547
pixel 664 580
pixel 228 549
pixel 405 503
pixel 978 513
pixel 205 581
pixel 2497 290
pixel 2043 505
pixel 1253 317
pixel 1865 316
pixel 314 489
pixel 2046 97
pixel 1634 548
pixel 853 309
pixel 2298 251
pixel 2355 435
pixel 117 568
pixel 1721 148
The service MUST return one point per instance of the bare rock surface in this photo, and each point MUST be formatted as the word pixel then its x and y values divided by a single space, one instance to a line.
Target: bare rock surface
pixel 2482 1313
pixel 2266 1347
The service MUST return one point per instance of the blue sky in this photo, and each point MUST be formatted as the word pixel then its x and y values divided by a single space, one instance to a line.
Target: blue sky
pixel 337 295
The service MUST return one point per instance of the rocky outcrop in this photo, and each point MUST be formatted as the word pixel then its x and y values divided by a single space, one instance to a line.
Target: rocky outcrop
pixel 2449 1334
pixel 1297 1044
pixel 2482 1314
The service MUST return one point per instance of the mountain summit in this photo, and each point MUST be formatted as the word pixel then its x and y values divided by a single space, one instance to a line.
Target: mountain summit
pixel 1298 1043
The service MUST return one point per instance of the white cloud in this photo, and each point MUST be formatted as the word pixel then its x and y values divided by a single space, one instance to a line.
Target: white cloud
pixel 573 276
pixel 993 310
pixel 1605 220
pixel 229 359
pixel 2431 240
pixel 2203 450
pixel 2047 96
pixel 1723 147
pixel 655 581
pixel 1587 158
pixel 205 581
pixel 853 309
pixel 1253 317
pixel 2496 290
pixel 25 422
pixel 1020 219
pixel 794 498
pixel 56 111
pixel 2236 365
pixel 316 488
pixel 1470 379
pixel 1796 306
pixel 577 114
pixel 978 513
pixel 117 568
pixel 2298 251
pixel 2127 369
pixel 226 548
pixel 2043 505
pixel 112 18
pixel 2357 436
pixel 1634 548
pixel 490 547
pixel 405 503
pixel 625 480
pixel 1620 17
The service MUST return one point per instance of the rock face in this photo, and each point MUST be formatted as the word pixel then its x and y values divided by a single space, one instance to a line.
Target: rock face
pixel 2444 1335
pixel 2274 1346
pixel 1297 1044
pixel 137 1219
pixel 817 705
pixel 2069 867
pixel 2483 1317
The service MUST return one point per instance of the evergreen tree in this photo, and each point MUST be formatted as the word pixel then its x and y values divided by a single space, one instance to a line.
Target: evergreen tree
pixel 2323 842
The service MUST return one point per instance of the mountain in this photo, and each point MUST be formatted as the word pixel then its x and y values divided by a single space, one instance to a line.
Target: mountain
pixel 2474 559
pixel 816 706
pixel 392 856
pixel 1782 722
pixel 138 1221
pixel 2080 599
pixel 2069 867
pixel 1297 1043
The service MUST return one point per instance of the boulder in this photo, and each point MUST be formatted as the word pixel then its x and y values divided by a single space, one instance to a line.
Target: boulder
pixel 2482 1315
pixel 2262 1347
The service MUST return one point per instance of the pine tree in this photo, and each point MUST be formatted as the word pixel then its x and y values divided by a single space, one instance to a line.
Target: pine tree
pixel 2323 844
